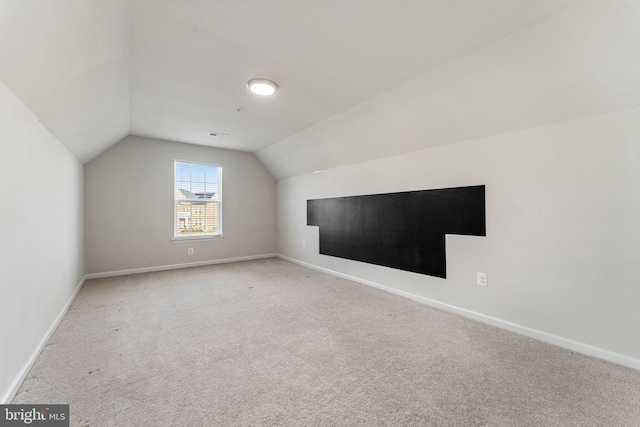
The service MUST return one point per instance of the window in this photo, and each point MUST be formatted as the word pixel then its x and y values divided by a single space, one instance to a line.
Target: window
pixel 197 200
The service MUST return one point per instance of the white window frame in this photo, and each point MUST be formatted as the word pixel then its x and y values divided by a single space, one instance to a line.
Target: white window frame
pixel 181 237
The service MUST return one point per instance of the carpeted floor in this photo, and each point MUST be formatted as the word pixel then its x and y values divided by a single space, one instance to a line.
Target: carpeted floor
pixel 271 343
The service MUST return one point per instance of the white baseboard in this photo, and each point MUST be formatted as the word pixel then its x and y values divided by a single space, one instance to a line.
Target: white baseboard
pixel 503 324
pixel 17 382
pixel 175 266
pixel 559 341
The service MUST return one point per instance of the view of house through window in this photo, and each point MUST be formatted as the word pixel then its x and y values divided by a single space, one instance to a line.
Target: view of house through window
pixel 198 200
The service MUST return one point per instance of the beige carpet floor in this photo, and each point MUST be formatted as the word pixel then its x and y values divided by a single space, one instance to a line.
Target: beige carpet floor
pixel 271 343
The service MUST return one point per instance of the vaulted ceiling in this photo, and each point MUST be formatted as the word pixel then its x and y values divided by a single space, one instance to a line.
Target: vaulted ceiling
pixel 94 71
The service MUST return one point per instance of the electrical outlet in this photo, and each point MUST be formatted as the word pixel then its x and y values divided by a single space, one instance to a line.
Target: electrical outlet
pixel 190 251
pixel 482 279
pixel 304 244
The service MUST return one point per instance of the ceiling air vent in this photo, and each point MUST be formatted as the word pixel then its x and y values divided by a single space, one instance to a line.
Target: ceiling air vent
pixel 217 135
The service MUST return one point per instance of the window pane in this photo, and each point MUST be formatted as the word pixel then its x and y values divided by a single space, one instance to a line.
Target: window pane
pixel 198 200
pixel 212 183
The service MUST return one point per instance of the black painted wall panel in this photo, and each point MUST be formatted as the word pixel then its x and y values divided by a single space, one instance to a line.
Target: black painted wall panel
pixel 399 230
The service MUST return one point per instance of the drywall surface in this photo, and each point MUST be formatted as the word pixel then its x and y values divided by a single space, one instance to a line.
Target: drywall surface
pixel 41 249
pixel 562 218
pixel 129 192
pixel 581 61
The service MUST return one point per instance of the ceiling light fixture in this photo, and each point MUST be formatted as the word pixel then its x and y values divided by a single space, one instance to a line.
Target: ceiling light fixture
pixel 264 87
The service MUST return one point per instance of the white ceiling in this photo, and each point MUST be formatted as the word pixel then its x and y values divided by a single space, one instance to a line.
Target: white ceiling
pixel 68 60
pixel 582 61
pixel 95 71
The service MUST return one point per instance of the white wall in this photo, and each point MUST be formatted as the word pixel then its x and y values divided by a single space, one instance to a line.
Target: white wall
pixel 547 118
pixel 129 207
pixel 41 249
pixel 563 227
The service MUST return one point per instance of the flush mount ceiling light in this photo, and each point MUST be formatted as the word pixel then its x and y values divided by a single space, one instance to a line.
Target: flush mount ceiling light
pixel 264 87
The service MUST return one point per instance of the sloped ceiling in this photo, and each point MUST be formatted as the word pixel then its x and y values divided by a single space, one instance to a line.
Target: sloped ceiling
pixel 94 71
pixel 582 61
pixel 359 79
pixel 68 60
pixel 190 60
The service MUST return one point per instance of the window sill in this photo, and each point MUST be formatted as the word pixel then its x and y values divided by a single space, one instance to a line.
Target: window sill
pixel 191 238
